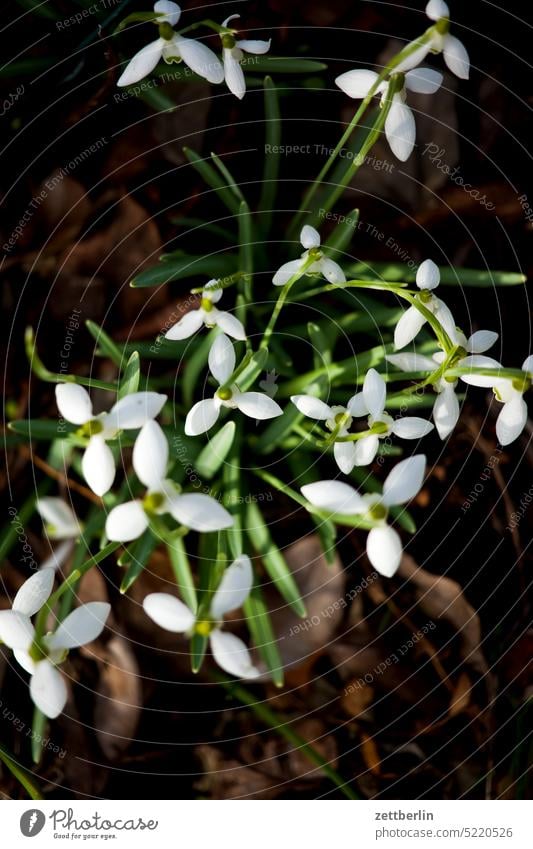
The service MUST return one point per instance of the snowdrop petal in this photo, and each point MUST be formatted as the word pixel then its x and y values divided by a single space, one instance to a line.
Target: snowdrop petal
pixel 345 456
pixel 167 12
pixel 446 411
pixel 427 275
pixel 356 406
pixel 437 9
pixel 98 466
pixel 374 393
pixel 257 405
pixel 48 690
pixel 232 655
pixel 527 365
pixel 126 522
pixel 150 455
pixel 384 550
pixel 231 325
pixel 312 407
pixel 135 410
pixel 411 362
pixel 456 57
pixel 24 660
pixel 34 592
pixel 60 519
pixel 411 427
pixel 512 420
pixel 254 45
pixel 74 403
pixel 212 291
pixel 202 417
pixel 405 481
pixel 400 129
pixel 186 326
pixel 423 80
pixel 480 362
pixel 414 59
pixel 233 73
pixel 16 630
pixel 408 327
pixel 222 359
pixel 366 449
pixel 481 341
pixel 356 83
pixel 446 319
pixel 199 58
pixel 286 271
pixel 168 612
pixel 234 587
pixel 332 271
pixel 143 63
pixel 200 512
pixel 309 237
pixel 80 627
pixel 334 496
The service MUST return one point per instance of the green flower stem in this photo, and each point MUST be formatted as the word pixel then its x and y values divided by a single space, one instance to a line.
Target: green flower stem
pixel 38 367
pixel 501 373
pixel 207 22
pixel 283 297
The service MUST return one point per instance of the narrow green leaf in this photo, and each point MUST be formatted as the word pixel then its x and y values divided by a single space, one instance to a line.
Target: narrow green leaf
pixel 105 343
pixel 195 366
pixel 325 528
pixel 215 452
pixel 45 429
pixel 130 379
pixel 253 369
pixel 213 179
pixel 449 276
pixel 38 735
pixel 277 430
pixel 282 65
pixel 341 236
pixel 137 556
pixel 246 249
pixel 320 344
pixel 272 154
pixel 199 643
pixel 273 559
pixel 39 368
pixel 176 267
pixel 258 620
pixel 182 571
pixel 233 500
pixel 22 775
pixel 229 178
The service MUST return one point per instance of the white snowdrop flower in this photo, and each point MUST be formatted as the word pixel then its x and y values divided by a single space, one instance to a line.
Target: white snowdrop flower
pixel 59 519
pixel 203 415
pixel 229 651
pixel 383 546
pixel 513 415
pixel 446 407
pixel 130 413
pixel 172 47
pixel 47 686
pixel 336 418
pixel 233 53
pixel 310 240
pixel 209 315
pixel 371 402
pixel 453 50
pixel 400 128
pixel 412 321
pixel 197 511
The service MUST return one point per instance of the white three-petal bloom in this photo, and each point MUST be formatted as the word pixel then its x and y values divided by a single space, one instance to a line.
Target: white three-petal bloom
pixel 208 315
pixel 453 50
pixel 193 510
pixel 400 129
pixel 232 55
pixel 412 321
pixel 196 55
pixel 204 414
pixel 310 240
pixel 513 415
pixel 383 546
pixel 130 413
pixel 229 651
pixel 446 407
pixel 60 520
pixel 47 687
pixel 337 418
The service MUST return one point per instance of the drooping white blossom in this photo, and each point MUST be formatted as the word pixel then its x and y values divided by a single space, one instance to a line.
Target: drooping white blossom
pixel 47 686
pixel 233 53
pixel 172 48
pixel 130 413
pixel 230 652
pixel 209 315
pixel 383 546
pixel 59 518
pixel 310 240
pixel 203 415
pixel 454 52
pixel 512 418
pixel 446 406
pixel 337 418
pixel 400 127
pixel 197 511
pixel 412 320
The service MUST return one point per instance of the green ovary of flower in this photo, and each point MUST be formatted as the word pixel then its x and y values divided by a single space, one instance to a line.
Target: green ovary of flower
pixel 204 627
pixel 153 502
pixel 206 304
pixel 166 31
pixel 521 385
pixel 36 652
pixel 380 427
pixel 377 513
pixel 90 428
pixel 228 41
pixel 424 296
pixel 225 394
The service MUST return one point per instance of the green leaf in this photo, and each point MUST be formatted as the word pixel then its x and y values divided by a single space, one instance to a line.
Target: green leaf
pixel 250 373
pixel 273 559
pixel 321 346
pixel 38 368
pixel 281 65
pixel 246 252
pixel 182 571
pixel 130 379
pixel 342 235
pixel 138 557
pixel 258 619
pixel 326 529
pixel 233 501
pixel 105 343
pixel 199 643
pixel 272 155
pixel 449 276
pixel 45 429
pixel 213 179
pixel 179 265
pixel 215 452
pixel 228 177
pixel 22 775
pixel 277 430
